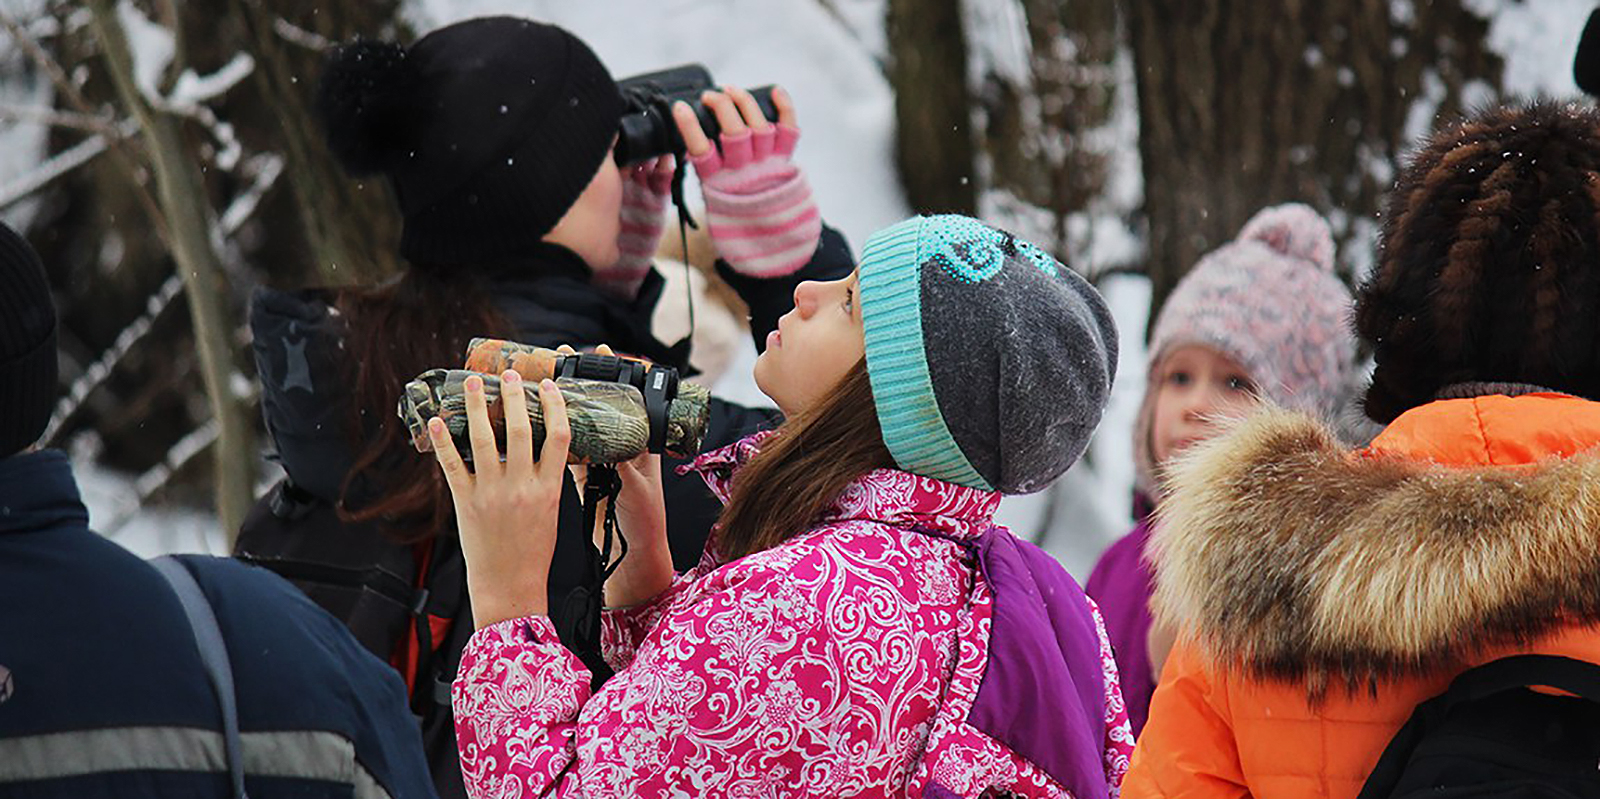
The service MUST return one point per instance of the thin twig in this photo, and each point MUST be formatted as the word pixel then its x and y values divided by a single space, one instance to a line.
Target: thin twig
pixel 294 34
pixel 63 162
pixel 97 372
pixel 71 120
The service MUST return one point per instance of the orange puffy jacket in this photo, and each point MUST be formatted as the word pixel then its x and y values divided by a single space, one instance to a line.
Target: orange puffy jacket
pixel 1322 593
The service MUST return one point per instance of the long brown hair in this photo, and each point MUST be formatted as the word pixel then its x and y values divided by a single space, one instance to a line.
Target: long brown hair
pixel 801 470
pixel 422 321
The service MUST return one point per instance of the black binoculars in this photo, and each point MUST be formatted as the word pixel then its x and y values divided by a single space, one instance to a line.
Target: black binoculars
pixel 647 129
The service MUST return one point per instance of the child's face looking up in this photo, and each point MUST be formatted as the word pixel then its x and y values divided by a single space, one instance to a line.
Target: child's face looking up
pixel 815 345
pixel 1193 385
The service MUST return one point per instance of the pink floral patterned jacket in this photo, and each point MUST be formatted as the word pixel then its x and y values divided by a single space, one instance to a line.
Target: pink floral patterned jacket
pixel 848 661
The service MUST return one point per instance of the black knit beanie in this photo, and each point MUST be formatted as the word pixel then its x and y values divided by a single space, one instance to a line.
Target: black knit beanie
pixel 489 129
pixel 1488 266
pixel 27 345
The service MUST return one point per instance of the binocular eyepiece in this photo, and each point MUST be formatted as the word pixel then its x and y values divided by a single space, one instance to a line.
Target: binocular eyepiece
pixel 647 129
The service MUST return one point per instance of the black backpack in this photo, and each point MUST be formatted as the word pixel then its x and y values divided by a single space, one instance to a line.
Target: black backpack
pixel 1490 735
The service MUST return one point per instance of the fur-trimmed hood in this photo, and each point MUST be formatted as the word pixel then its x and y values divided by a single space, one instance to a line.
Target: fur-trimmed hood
pixel 1292 557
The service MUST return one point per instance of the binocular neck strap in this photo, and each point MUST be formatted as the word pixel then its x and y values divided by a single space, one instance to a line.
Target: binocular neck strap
pixel 682 348
pixel 604 484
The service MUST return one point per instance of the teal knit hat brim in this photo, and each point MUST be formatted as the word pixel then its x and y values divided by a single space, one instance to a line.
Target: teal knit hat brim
pixel 897 363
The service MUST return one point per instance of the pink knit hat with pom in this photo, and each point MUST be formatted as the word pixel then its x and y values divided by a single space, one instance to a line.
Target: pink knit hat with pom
pixel 1268 299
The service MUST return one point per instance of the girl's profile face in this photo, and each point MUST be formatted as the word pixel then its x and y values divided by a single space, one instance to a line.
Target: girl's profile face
pixel 815 345
pixel 1193 384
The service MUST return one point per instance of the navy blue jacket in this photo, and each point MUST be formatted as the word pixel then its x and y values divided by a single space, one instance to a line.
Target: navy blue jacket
pixel 102 691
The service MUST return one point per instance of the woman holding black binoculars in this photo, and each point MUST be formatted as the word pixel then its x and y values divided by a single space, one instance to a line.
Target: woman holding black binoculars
pixel 497 136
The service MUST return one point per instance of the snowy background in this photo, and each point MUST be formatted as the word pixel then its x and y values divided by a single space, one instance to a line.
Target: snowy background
pixel 829 56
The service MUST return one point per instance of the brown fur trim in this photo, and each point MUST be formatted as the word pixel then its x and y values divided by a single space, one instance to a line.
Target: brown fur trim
pixel 1287 555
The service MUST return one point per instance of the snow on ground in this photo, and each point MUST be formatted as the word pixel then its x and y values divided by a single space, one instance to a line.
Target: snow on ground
pixel 148 531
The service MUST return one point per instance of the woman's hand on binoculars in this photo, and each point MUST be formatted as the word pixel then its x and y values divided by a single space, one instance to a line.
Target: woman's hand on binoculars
pixel 507 511
pixel 737 114
pixel 759 208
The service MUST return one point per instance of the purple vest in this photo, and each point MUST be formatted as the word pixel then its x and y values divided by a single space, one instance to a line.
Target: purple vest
pixel 1043 691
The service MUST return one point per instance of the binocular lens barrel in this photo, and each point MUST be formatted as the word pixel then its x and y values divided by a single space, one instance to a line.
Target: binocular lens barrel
pixel 648 131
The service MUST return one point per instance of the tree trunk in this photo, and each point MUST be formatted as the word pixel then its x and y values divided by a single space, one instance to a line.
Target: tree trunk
pixel 934 147
pixel 1045 133
pixel 182 195
pixel 1242 108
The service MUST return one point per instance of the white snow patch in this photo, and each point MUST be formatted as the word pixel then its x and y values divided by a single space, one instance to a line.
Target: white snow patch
pixel 153 48
pixel 865 19
pixel 191 89
pixel 1424 110
pixel 1537 39
pixel 114 511
pixel 997 43
pixel 1402 12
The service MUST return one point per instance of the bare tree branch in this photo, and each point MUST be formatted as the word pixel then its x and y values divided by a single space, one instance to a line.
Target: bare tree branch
pixel 53 117
pixel 68 89
pixel 62 163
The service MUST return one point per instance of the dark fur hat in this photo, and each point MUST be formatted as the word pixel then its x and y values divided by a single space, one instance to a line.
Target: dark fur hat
pixel 1489 259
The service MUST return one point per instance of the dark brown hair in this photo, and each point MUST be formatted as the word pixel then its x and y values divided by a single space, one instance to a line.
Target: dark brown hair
pixel 422 321
pixel 784 489
pixel 1488 264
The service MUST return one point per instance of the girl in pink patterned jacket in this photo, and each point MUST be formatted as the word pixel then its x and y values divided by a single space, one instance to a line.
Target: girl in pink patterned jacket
pixel 858 626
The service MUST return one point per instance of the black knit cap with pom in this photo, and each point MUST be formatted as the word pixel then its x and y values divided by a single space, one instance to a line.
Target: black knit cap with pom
pixel 1489 260
pixel 489 129
pixel 28 367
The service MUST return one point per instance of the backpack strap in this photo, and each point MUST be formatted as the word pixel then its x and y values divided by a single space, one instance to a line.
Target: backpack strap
pixel 1524 671
pixel 1506 674
pixel 214 655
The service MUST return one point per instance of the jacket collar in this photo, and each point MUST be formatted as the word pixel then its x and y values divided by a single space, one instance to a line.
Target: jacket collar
pixel 888 496
pixel 37 492
pixel 1291 556
pixel 549 292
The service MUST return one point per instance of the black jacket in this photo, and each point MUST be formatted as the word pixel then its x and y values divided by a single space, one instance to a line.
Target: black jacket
pixel 102 689
pixel 549 300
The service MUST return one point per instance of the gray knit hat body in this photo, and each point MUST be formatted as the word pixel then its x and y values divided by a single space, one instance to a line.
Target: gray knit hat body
pixel 28 367
pixel 990 362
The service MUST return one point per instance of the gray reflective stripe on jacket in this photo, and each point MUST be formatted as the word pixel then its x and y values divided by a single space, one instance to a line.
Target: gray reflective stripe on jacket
pixel 316 755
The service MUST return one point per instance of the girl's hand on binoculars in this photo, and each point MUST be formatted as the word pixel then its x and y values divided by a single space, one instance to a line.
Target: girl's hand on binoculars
pixel 642 520
pixel 507 511
pixel 759 209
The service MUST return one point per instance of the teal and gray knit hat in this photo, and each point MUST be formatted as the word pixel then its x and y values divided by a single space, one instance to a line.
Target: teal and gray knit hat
pixel 990 361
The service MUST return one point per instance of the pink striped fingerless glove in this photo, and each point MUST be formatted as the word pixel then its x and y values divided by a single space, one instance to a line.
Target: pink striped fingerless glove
pixel 644 198
pixel 763 219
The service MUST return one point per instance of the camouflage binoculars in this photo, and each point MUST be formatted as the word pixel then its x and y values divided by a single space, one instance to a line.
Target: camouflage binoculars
pixel 618 408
